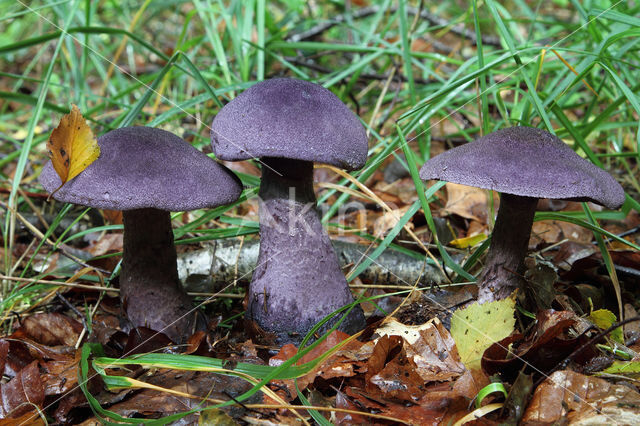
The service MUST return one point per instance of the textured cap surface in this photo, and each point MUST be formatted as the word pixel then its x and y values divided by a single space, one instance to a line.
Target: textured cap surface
pixel 288 118
pixel 525 161
pixel 144 167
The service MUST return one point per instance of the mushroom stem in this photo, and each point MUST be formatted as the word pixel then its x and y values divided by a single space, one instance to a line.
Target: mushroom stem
pixel 509 241
pixel 149 286
pixel 298 279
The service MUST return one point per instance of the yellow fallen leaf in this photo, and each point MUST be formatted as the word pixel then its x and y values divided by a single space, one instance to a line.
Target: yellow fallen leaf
pixel 468 241
pixel 72 146
pixel 477 327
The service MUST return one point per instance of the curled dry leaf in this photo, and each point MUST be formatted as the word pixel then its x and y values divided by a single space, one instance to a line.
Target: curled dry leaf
pixel 546 345
pixel 391 374
pixel 72 146
pixel 398 380
pixel 430 347
pixel 387 348
pixel 424 412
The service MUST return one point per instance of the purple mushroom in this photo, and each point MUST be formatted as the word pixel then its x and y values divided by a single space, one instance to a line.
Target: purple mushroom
pixel 291 124
pixel 523 164
pixel 147 173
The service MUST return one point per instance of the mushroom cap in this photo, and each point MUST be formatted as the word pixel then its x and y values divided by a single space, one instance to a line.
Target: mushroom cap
pixel 525 161
pixel 288 118
pixel 144 167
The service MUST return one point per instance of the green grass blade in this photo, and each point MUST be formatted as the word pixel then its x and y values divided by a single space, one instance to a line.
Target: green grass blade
pixel 413 170
pixel 10 218
pixel 607 260
pixel 260 30
pixel 508 38
pixel 406 49
pixel 570 219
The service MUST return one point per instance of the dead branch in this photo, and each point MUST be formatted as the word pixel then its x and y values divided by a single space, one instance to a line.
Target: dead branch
pixel 364 12
pixel 227 261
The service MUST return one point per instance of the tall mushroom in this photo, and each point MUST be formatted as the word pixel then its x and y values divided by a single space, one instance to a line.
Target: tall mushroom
pixel 523 164
pixel 291 124
pixel 147 173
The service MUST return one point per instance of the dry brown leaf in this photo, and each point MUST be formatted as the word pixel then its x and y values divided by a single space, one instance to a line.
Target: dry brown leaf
pixel 476 228
pixel 61 375
pixel 391 372
pixel 404 189
pixel 109 243
pixel 435 354
pixel 386 348
pixel 430 346
pixel 4 353
pixel 388 220
pixel 22 392
pixel 200 385
pixel 551 232
pixel 113 217
pixel 343 401
pixel 398 380
pixel 466 201
pixel 52 329
pixel 31 418
pixel 340 364
pixel 548 343
pixel 567 395
pixel 576 233
pixel 547 231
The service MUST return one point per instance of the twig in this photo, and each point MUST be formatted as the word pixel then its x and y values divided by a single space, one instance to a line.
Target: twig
pixel 78 314
pixel 216 263
pixel 240 403
pixel 621 235
pixel 71 307
pixel 399 77
pixel 113 289
pixel 364 12
pixel 61 247
pixel 40 195
pixel 36 211
pixel 59 283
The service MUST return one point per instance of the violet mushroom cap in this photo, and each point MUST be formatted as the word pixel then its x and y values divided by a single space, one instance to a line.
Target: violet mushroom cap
pixel 290 124
pixel 146 173
pixel 523 164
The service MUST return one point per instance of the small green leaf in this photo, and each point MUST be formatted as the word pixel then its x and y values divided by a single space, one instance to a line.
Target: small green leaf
pixel 603 319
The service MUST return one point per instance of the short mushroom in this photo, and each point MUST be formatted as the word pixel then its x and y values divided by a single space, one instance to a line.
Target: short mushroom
pixel 523 164
pixel 290 124
pixel 146 173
